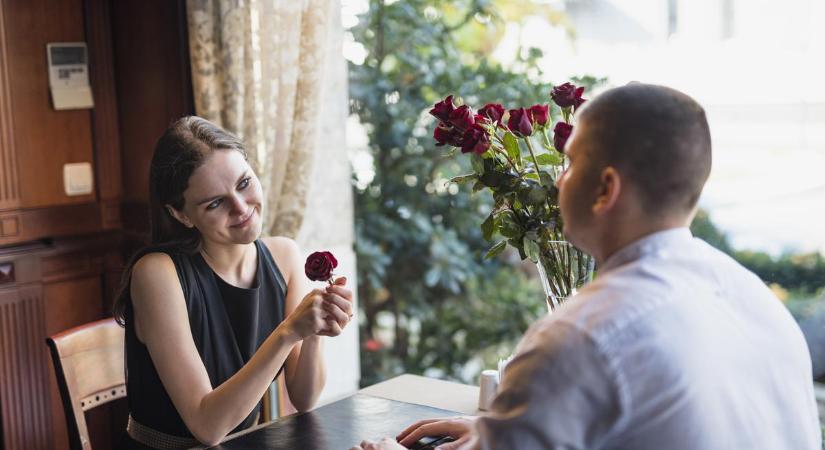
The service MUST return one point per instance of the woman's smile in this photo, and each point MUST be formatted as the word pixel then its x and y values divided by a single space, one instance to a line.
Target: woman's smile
pixel 245 221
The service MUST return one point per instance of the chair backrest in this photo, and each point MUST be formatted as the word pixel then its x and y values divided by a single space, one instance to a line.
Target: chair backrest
pixel 89 365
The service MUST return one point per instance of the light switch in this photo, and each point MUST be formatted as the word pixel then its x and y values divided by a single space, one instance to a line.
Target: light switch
pixel 77 178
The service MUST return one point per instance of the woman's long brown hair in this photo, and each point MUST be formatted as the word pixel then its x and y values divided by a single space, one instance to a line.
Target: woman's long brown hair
pixel 182 148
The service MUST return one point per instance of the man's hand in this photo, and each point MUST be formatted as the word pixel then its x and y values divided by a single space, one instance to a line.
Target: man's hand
pixel 383 444
pixel 456 427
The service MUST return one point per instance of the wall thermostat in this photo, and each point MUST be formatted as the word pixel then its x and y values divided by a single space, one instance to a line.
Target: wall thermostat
pixel 69 75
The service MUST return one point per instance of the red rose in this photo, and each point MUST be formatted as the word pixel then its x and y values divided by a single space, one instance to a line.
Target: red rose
pixel 492 111
pixel 462 117
pixel 445 134
pixel 567 95
pixel 442 109
pixel 540 114
pixel 519 122
pixel 373 345
pixel 476 140
pixel 441 135
pixel 319 266
pixel 561 132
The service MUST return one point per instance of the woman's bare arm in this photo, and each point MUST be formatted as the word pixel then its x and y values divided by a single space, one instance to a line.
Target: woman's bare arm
pixel 162 324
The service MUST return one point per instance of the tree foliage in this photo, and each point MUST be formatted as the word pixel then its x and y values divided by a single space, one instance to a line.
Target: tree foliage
pixel 426 292
pixel 802 273
pixel 420 251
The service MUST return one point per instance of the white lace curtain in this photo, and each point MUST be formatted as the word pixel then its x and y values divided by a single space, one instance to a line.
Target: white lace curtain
pixel 257 70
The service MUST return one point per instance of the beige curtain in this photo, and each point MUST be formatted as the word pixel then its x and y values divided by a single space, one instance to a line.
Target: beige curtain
pixel 266 70
pixel 257 70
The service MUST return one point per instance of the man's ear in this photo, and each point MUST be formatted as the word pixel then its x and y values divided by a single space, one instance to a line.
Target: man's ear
pixel 610 186
pixel 179 216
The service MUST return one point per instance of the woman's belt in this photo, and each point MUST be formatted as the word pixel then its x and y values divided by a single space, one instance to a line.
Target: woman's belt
pixel 158 439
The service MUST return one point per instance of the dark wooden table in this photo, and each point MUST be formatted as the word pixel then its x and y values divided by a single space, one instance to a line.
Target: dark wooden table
pixel 380 410
pixel 336 426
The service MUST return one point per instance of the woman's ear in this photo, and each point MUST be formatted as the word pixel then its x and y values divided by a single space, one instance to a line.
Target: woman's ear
pixel 179 216
pixel 610 186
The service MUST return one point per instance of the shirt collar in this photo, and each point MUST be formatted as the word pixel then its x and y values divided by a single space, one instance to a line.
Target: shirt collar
pixel 652 243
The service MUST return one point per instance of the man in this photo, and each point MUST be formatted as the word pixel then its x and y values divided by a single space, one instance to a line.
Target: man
pixel 674 345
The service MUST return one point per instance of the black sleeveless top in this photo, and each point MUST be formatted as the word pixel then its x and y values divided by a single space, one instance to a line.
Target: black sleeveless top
pixel 228 325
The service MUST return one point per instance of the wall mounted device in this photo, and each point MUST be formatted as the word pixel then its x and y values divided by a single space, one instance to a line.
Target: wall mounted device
pixel 69 75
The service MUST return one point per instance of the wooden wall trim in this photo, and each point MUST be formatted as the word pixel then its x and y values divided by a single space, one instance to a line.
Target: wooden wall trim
pixel 9 188
pixel 105 134
pixel 23 364
pixel 31 224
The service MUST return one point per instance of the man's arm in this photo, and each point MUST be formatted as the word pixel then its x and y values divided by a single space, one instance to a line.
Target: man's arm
pixel 559 392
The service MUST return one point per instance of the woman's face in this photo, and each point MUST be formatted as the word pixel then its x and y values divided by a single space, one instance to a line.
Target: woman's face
pixel 224 200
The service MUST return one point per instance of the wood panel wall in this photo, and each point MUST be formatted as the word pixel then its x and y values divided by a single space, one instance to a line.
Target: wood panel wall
pixel 153 83
pixel 67 252
pixel 23 366
pixel 105 131
pixel 9 192
pixel 44 139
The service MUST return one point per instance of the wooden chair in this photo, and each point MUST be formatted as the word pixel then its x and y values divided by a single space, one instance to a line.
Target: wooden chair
pixel 88 361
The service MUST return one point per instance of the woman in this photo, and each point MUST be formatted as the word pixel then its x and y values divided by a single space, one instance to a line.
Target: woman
pixel 212 313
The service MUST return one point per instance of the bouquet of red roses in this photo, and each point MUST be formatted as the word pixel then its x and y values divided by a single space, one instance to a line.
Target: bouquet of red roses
pixel 518 154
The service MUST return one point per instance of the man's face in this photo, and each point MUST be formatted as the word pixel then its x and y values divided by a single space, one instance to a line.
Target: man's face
pixel 578 189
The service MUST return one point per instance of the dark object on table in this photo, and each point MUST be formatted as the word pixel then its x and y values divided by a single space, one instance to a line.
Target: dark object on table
pixel 431 442
pixel 336 426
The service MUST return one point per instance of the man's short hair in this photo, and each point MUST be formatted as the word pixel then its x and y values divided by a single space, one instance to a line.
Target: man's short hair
pixel 657 138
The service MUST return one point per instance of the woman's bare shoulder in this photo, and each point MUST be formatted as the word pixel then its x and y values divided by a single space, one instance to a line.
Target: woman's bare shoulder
pixel 285 251
pixel 156 294
pixel 154 270
pixel 153 263
pixel 280 242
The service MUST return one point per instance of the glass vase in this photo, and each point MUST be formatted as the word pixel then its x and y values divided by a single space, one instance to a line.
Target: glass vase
pixel 562 269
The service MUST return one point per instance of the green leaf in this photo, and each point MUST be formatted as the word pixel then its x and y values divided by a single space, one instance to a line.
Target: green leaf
pixel 552 159
pixel 531 193
pixel 495 250
pixel 461 179
pixel 547 179
pixel 536 195
pixel 497 179
pixel 508 226
pixel 531 249
pixel 553 193
pixel 488 226
pixel 518 245
pixel 478 163
pixel 511 146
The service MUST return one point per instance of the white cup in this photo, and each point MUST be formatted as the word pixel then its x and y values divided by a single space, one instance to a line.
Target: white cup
pixel 488 385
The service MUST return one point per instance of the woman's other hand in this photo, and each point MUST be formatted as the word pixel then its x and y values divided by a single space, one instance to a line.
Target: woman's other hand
pixel 309 318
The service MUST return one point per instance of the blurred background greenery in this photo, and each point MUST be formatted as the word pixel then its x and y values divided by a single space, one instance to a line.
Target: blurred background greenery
pixel 430 303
